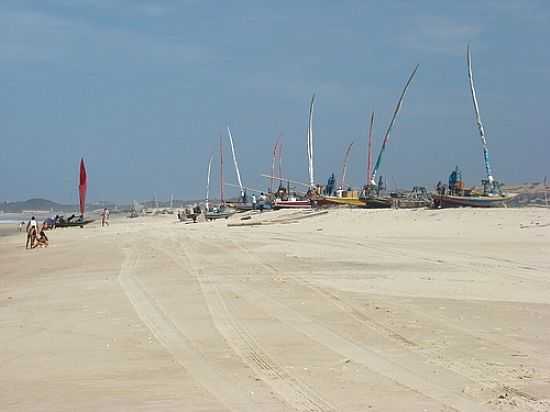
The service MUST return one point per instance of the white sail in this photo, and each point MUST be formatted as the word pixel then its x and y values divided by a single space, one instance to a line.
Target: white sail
pixel 345 165
pixel 388 130
pixel 208 181
pixel 235 162
pixel 310 143
pixel 478 119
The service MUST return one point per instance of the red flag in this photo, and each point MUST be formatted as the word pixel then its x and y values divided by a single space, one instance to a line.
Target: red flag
pixel 83 186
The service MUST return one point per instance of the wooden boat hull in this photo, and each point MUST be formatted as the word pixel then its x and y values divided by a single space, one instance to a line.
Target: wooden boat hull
pixel 445 201
pixel 75 224
pixel 291 204
pixel 412 204
pixel 378 203
pixel 219 215
pixel 368 203
pixel 345 201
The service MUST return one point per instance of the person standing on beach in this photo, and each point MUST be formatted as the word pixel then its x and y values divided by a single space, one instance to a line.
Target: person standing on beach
pixel 32 228
pixel 262 201
pixel 253 201
pixel 105 217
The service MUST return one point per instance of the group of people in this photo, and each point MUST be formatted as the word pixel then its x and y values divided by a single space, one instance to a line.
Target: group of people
pixel 36 237
pixel 189 213
pixel 259 204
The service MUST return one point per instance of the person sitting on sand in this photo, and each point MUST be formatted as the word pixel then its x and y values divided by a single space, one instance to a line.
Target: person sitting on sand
pixel 42 239
pixel 31 232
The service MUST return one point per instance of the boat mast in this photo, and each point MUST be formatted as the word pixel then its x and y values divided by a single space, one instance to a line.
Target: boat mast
pixel 369 150
pixel 221 171
pixel 310 143
pixel 388 130
pixel 236 163
pixel 208 182
pixel 280 160
pixel 488 171
pixel 275 148
pixel 345 165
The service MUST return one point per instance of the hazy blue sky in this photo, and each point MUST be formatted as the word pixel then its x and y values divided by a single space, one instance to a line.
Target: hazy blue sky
pixel 142 89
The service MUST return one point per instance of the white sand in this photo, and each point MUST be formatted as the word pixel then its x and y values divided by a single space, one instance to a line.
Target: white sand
pixel 350 311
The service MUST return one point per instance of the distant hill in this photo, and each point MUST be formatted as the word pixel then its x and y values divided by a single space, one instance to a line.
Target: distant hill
pixel 33 204
pixel 47 205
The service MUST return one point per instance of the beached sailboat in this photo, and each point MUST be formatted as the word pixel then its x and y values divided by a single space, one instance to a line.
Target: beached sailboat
pixel 371 197
pixel 78 221
pixel 491 194
pixel 243 204
pixel 287 201
pixel 372 191
pixel 221 211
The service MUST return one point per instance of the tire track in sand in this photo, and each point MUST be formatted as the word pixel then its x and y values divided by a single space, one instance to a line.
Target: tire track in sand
pixel 295 393
pixel 177 344
pixel 416 376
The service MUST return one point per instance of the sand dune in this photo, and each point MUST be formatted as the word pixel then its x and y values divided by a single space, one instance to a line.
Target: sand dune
pixel 353 310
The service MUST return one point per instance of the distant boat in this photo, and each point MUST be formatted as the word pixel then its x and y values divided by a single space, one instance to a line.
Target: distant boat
pixel 456 196
pixel 291 203
pixel 221 211
pixel 78 221
pixel 371 197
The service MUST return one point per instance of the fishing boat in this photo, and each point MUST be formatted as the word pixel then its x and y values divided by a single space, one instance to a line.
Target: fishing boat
pixel 221 211
pixel 291 203
pixel 283 198
pixel 372 192
pixel 78 221
pixel 491 194
pixel 479 200
pixel 372 196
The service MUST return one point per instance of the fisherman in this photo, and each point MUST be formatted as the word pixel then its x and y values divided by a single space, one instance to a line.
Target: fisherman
pixel 262 201
pixel 330 185
pixel 254 201
pixel 452 181
pixel 105 217
pixel 32 227
pixel 381 186
pixel 438 188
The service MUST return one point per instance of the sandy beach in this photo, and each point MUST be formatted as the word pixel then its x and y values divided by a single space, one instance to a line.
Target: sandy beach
pixel 353 310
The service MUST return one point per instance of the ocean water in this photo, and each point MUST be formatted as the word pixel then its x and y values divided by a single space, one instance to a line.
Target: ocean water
pixel 16 218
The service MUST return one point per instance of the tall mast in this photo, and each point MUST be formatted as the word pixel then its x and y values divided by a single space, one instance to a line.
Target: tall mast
pixel 237 171
pixel 208 182
pixel 345 165
pixel 310 143
pixel 221 171
pixel 275 147
pixel 280 159
pixel 478 119
pixel 388 130
pixel 369 150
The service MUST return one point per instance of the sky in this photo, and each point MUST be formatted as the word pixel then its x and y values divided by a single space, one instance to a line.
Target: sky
pixel 143 89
